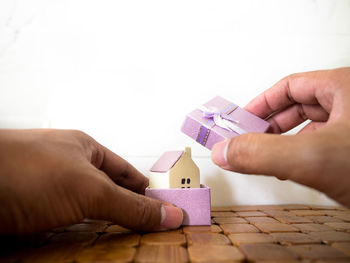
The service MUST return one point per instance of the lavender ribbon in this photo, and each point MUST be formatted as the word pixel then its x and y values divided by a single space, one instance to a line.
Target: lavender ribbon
pixel 221 119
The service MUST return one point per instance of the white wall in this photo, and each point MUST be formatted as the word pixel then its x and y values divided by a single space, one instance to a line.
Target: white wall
pixel 127 72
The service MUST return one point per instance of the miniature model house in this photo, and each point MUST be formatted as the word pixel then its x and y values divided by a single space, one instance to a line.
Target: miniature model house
pixel 175 179
pixel 175 169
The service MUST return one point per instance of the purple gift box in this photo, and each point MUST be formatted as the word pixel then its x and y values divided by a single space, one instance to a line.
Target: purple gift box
pixel 219 119
pixel 194 202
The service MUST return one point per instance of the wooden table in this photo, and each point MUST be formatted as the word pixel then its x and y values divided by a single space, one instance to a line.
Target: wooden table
pixel 267 233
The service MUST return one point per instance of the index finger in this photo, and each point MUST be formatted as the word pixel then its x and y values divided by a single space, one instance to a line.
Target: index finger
pixel 122 172
pixel 297 88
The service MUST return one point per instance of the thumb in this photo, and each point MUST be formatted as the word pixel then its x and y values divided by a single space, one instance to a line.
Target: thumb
pixel 137 212
pixel 256 153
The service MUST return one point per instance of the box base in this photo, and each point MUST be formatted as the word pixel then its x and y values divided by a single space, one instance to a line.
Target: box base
pixel 194 202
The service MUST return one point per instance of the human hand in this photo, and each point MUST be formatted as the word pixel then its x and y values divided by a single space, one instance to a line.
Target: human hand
pixel 51 178
pixel 319 155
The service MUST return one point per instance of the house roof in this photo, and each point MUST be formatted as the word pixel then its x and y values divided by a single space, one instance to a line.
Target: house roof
pixel 166 161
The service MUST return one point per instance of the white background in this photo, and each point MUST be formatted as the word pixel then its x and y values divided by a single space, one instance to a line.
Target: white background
pixel 127 72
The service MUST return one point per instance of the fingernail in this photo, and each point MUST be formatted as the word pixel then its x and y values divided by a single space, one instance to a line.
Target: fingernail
pixel 171 217
pixel 219 153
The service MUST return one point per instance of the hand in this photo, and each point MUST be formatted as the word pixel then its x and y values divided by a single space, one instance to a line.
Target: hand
pixel 319 155
pixel 51 178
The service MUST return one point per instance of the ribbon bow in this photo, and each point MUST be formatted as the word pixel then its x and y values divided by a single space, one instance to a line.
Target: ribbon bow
pixel 222 120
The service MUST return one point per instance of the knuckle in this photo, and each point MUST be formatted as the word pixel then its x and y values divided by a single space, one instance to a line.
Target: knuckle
pixel 291 76
pixel 97 156
pixel 240 152
pixel 275 127
pixel 301 112
pixel 78 133
pixel 288 80
pixel 123 176
pixel 87 144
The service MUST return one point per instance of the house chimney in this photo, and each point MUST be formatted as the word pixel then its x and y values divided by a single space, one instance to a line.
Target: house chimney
pixel 188 151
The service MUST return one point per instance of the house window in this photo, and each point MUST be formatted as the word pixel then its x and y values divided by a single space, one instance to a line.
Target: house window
pixel 185 181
